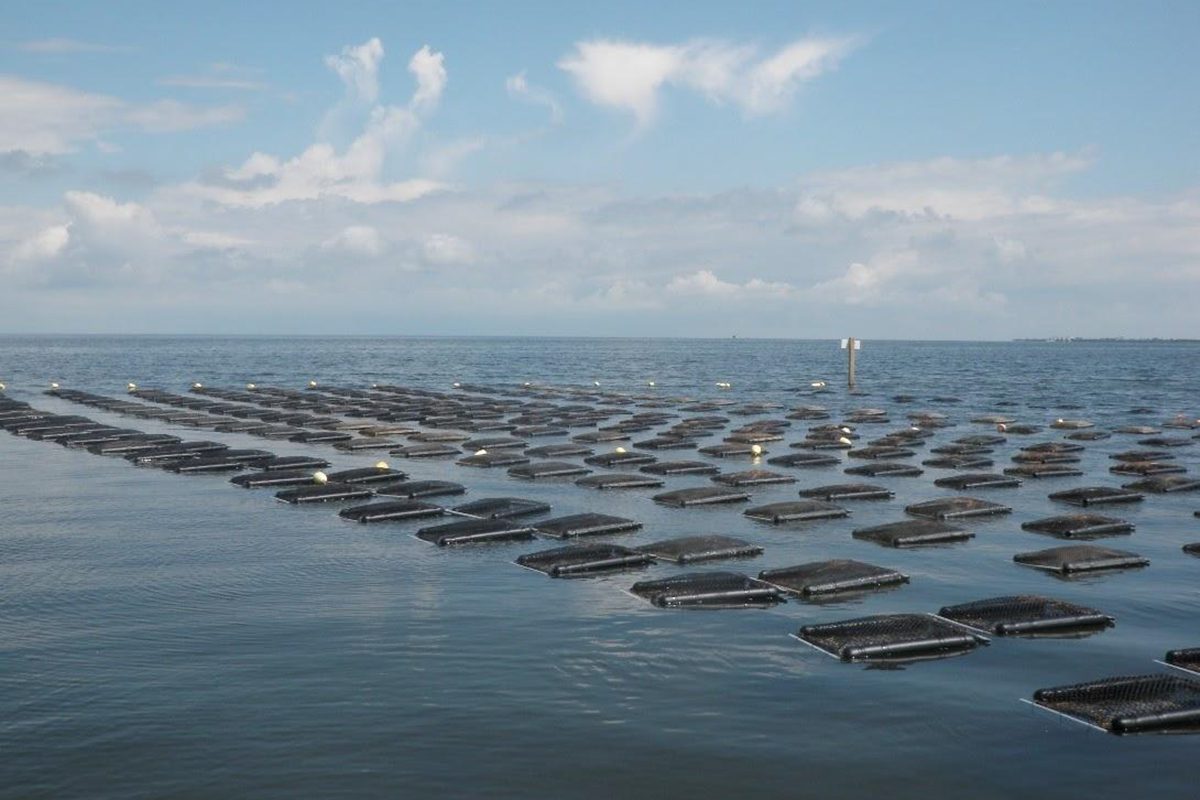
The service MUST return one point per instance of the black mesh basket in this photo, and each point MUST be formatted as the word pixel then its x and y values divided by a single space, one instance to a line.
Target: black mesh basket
pixel 1026 614
pixel 796 511
pixel 493 459
pixel 1148 468
pixel 885 469
pixel 700 496
pixel 391 511
pixel 913 533
pixel 1187 658
pixel 424 451
pixel 579 560
pixel 586 525
pixel 890 637
pixel 708 590
pixel 475 531
pixel 1044 471
pixel 848 491
pixel 977 480
pixel 1096 495
pixel 1134 704
pixel 559 451
pixel 680 468
pixel 414 489
pixel 803 460
pixel 956 508
pixel 323 493
pixel 547 469
pixel 1080 558
pixel 753 477
pixel 692 549
pixel 1079 526
pixel 823 578
pixel 958 462
pixel 1165 484
pixel 619 460
pixel 883 453
pixel 502 507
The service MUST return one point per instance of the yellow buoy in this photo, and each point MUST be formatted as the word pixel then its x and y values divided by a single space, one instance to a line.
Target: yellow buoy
pixel 320 477
pixel 381 465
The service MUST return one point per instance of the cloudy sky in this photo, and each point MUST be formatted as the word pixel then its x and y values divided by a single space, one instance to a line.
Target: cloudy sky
pixel 809 170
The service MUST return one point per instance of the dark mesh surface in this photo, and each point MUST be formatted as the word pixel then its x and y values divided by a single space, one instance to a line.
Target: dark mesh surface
pixel 475 531
pixel 1187 658
pixel 977 480
pixel 616 460
pixel 1129 704
pixel 207 464
pixel 1044 471
pixel 502 507
pixel 559 451
pixel 501 459
pixel 1166 441
pixel 323 493
pixel 958 462
pixel 1080 558
pixel 1078 525
pixel 803 460
pixel 390 510
pixel 981 439
pixel 547 469
pixel 1192 549
pixel 495 443
pixel 600 437
pixel 708 589
pixel 848 491
pixel 796 511
pixel 291 463
pixel 691 549
pixel 890 636
pixel 361 444
pixel 881 453
pixel 913 533
pixel 619 480
pixel 753 477
pixel 411 489
pixel 956 508
pixel 424 451
pixel 700 496
pixel 1148 468
pixel 885 469
pixel 1042 457
pixel 579 560
pixel 831 577
pixel 1140 456
pixel 680 468
pixel 665 443
pixel 961 450
pixel 1052 447
pixel 1096 495
pixel 731 449
pixel 1164 484
pixel 586 525
pixel 1025 614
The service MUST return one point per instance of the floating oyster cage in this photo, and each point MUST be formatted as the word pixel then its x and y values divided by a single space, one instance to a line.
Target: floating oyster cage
pixel 837 576
pixel 1017 615
pixel 956 508
pixel 885 469
pixel 415 489
pixel 1129 704
pixel 1096 495
pixel 977 480
pixel 693 549
pixel 323 493
pixel 891 637
pixel 913 533
pixel 1164 484
pixel 848 491
pixel 1081 558
pixel 620 480
pixel 753 477
pixel 700 496
pixel 588 524
pixel 680 468
pixel 1071 526
pixel 708 590
pixel 547 469
pixel 796 511
pixel 475 531
pixel 580 560
pixel 391 511
pixel 501 508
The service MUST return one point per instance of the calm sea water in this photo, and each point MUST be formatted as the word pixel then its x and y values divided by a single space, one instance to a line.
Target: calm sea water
pixel 163 636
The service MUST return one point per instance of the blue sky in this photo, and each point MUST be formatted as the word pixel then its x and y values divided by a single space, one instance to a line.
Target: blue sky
pixel 935 170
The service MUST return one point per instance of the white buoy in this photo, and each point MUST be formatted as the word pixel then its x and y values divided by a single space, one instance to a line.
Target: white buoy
pixel 251 386
pixel 595 383
pixel 620 450
pixel 321 478
pixel 818 384
pixel 1001 427
pixel 650 383
pixel 481 452
pixel 197 385
pixel 756 449
pixel 381 465
pixel 54 387
pixel 457 385
pixel 844 440
pixel 2 387
pixel 312 384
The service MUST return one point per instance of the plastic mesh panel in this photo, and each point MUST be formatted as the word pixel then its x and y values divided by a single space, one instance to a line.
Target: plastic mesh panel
pixel 691 549
pixel 391 510
pixel 1187 658
pixel 977 480
pixel 680 468
pixel 326 493
pixel 700 496
pixel 502 507
pixel 956 508
pixel 708 589
pixel 830 577
pixel 578 560
pixel 424 451
pixel 1025 614
pixel 803 460
pixel 753 477
pixel 890 636
pixel 411 489
pixel 1079 525
pixel 885 469
pixel 1096 495
pixel 559 451
pixel 848 491
pixel 958 462
pixel 501 459
pixel 1148 468
pixel 474 531
pixel 1080 558
pixel 913 533
pixel 613 460
pixel 586 525
pixel 547 469
pixel 1140 703
pixel 796 511
pixel 619 480
pixel 1165 484
pixel 1044 471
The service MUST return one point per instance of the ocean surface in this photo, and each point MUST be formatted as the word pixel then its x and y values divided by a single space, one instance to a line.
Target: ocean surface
pixel 172 636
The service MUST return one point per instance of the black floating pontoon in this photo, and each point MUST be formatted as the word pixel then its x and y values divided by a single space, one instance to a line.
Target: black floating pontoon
pixel 501 459
pixel 848 491
pixel 890 637
pixel 1026 614
pixel 1080 558
pixel 1071 526
pixel 1129 704
pixel 475 531
pixel 803 460
pixel 796 511
pixel 692 549
pixel 580 560
pixel 424 451
pixel 821 578
pixel 617 460
pixel 559 451
pixel 279 463
pixel 958 462
pixel 1044 470
pixel 392 510
pixel 913 533
pixel 708 590
pixel 585 525
pixel 956 508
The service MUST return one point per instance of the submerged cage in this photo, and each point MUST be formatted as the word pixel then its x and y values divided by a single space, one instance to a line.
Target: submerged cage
pixel 1026 614
pixel 913 533
pixel 1070 526
pixel 1080 558
pixel 796 511
pixel 475 531
pixel 956 508
pixel 1096 495
pixel 820 578
pixel 692 549
pixel 1129 704
pixel 586 525
pixel 890 637
pixel 578 560
pixel 708 590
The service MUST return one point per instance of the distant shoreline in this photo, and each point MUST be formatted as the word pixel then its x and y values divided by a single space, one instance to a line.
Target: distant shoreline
pixel 1057 339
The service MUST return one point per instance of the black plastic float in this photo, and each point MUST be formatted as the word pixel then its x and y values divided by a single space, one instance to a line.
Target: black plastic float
pixel 547 469
pixel 588 524
pixel 1096 495
pixel 848 491
pixel 977 480
pixel 323 493
pixel 413 489
pixel 475 531
pixel 501 507
pixel 885 469
pixel 680 468
pixel 700 496
pixel 752 477
pixel 803 460
pixel 391 511
pixel 956 508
